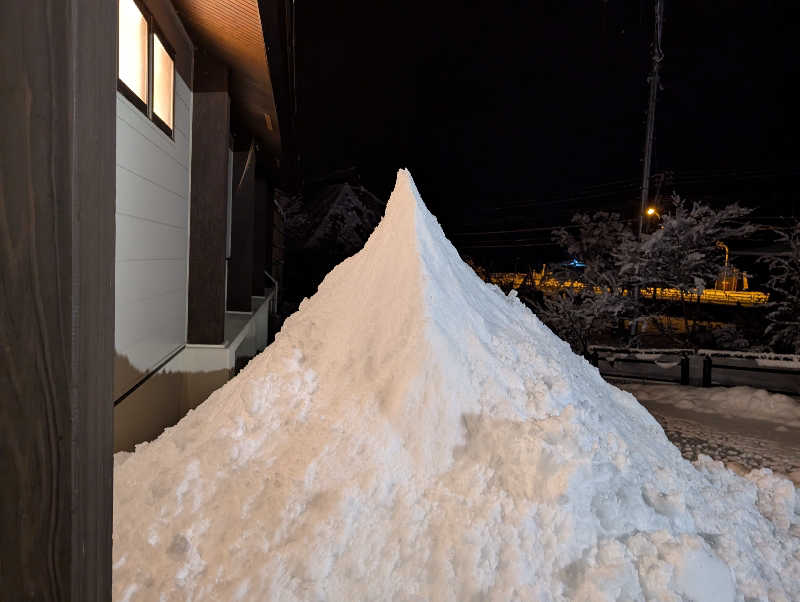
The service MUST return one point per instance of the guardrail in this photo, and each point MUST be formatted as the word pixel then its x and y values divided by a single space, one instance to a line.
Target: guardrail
pixel 701 367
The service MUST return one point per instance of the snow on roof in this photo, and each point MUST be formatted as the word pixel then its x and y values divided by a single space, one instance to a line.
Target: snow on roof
pixel 413 433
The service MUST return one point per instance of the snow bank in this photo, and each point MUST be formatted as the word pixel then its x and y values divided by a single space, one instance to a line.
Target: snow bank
pixel 737 402
pixel 413 433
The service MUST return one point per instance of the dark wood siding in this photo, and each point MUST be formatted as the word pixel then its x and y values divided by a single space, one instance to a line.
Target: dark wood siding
pixel 209 198
pixel 57 153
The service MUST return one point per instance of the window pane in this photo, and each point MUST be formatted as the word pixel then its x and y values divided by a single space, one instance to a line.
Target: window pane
pixel 133 48
pixel 162 82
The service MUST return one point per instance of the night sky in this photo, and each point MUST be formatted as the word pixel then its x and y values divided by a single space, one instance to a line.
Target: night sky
pixel 516 115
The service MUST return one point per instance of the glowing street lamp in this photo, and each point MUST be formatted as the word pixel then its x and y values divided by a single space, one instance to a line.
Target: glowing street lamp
pixel 652 211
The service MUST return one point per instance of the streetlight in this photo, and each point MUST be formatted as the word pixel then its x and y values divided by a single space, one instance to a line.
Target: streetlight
pixel 652 211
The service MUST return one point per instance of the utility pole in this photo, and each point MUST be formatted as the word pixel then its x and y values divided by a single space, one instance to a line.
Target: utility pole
pixel 654 80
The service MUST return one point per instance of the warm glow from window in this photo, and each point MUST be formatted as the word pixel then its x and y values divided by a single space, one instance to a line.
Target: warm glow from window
pixel 133 48
pixel 163 82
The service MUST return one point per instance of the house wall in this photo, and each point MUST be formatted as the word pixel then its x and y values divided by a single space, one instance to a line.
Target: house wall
pixel 152 225
pixel 174 342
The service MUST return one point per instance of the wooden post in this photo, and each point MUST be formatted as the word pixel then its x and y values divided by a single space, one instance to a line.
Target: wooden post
pixel 209 202
pixel 684 370
pixel 707 363
pixel 58 72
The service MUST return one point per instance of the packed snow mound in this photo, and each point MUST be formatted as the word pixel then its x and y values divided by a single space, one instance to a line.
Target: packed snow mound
pixel 731 402
pixel 413 433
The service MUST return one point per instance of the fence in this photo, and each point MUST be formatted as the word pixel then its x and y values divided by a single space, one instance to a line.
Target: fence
pixel 701 367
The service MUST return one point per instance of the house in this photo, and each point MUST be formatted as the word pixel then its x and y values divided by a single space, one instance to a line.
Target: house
pixel 197 152
pixel 141 246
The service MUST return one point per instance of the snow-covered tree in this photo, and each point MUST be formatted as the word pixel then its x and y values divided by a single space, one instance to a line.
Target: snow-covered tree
pixel 682 255
pixel 593 302
pixel 784 285
pixel 598 241
pixel 581 316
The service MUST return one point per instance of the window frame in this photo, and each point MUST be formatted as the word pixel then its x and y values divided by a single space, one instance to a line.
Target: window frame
pixel 122 87
pixel 146 107
pixel 155 30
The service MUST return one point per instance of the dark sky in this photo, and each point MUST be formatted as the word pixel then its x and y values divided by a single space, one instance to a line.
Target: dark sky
pixel 538 103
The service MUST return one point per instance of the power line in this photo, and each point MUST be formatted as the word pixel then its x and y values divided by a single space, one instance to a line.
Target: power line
pixel 580 196
pixel 509 246
pixel 518 230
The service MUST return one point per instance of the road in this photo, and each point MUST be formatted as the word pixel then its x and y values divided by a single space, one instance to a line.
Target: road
pixel 742 444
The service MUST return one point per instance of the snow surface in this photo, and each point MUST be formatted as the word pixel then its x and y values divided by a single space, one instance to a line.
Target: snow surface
pixel 413 433
pixel 742 443
pixel 739 402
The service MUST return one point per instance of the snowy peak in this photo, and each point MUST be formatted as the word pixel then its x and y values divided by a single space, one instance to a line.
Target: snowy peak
pixel 405 190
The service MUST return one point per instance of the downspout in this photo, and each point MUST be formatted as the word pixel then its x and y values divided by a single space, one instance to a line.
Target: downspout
pixel 274 296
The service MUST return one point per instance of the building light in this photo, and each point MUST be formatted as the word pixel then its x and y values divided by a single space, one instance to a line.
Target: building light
pixel 133 48
pixel 163 82
pixel 146 65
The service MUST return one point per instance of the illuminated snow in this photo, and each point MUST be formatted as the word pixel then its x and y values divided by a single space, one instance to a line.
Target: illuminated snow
pixel 413 433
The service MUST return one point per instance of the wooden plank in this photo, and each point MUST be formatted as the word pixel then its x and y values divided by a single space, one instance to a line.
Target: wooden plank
pixel 210 131
pixel 58 99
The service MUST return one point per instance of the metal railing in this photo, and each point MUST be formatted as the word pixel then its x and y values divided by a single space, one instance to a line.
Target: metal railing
pixel 700 367
pixel 275 296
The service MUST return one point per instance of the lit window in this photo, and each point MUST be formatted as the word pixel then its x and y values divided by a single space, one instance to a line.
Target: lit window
pixel 163 82
pixel 133 49
pixel 146 65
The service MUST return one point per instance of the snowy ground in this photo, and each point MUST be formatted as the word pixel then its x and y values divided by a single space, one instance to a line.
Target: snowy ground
pixel 743 427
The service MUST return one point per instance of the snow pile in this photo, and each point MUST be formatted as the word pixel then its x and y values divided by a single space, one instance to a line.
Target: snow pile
pixel 732 402
pixel 413 433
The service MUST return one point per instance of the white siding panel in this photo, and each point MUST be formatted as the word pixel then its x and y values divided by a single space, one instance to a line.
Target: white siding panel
pixel 137 281
pixel 139 239
pixel 139 197
pixel 140 126
pixel 153 180
pixel 182 91
pixel 140 155
pixel 181 117
pixel 150 324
